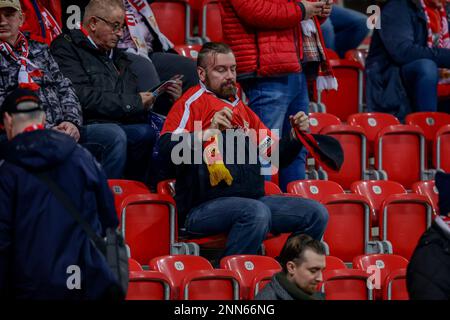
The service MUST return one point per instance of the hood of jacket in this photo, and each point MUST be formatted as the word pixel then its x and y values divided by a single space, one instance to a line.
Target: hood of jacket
pixel 39 150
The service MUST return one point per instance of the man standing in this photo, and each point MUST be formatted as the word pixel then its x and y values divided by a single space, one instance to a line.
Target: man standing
pixel 29 64
pixel 223 190
pixel 106 86
pixel 277 44
pixel 44 252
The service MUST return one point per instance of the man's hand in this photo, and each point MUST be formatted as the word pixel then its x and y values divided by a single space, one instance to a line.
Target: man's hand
pixel 312 8
pixel 222 119
pixel 175 90
pixel 301 121
pixel 326 9
pixel 147 100
pixel 68 128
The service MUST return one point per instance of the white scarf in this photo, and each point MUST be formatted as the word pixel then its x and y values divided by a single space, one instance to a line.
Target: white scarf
pixel 145 10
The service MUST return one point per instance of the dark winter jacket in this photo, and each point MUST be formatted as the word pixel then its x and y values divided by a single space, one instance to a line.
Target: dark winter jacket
pixel 39 239
pixel 428 273
pixel 106 87
pixel 401 39
pixel 280 288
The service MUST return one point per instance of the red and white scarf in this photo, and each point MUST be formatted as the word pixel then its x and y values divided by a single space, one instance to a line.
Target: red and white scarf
pixel 145 10
pixel 27 70
pixel 437 25
pixel 326 79
pixel 51 25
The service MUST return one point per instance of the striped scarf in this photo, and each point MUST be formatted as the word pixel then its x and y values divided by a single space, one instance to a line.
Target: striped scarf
pixel 438 33
pixel 27 70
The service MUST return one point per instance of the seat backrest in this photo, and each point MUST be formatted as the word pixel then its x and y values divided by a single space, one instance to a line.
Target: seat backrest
pixel 428 189
pixel 372 122
pixel 382 263
pixel 314 189
pixel 176 267
pixel 271 188
pixel 358 55
pixel 318 120
pixel 273 245
pixel 148 285
pixel 395 286
pixel 404 218
pixel 347 232
pixel 124 188
pixel 171 18
pixel 210 22
pixel 353 142
pixel 345 284
pixel 148 225
pixel 260 281
pixel 247 267
pixel 430 122
pixel 214 284
pixel 400 152
pixel 441 146
pixel 166 187
pixel 376 190
pixel 133 265
pixel 334 263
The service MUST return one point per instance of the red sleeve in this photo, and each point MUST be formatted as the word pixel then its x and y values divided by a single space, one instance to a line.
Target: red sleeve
pixel 175 117
pixel 266 14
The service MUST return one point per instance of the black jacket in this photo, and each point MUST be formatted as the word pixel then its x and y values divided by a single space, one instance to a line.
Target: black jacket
pixel 39 239
pixel 106 87
pixel 401 39
pixel 428 274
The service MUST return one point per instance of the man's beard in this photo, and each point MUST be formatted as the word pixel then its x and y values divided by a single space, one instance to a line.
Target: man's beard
pixel 226 90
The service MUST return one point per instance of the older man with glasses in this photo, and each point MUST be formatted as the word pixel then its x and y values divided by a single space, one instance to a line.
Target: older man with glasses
pixel 105 84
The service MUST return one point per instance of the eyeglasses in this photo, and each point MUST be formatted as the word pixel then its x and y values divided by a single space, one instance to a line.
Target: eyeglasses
pixel 116 26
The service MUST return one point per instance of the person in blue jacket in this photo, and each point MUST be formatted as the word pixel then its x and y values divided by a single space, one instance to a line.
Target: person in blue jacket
pixel 405 57
pixel 44 252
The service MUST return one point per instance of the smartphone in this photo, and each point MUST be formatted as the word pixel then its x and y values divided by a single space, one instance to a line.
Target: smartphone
pixel 162 87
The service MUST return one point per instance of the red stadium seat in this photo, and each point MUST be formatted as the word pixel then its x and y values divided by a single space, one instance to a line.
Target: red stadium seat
pixel 260 281
pixel 148 225
pixel 429 122
pixel 347 233
pixel 353 142
pixel 133 265
pixel 400 154
pixel 405 217
pixel 376 191
pixel 441 149
pixel 148 285
pixel 348 99
pixel 248 267
pixel 318 120
pixel 188 50
pixel 210 285
pixel 174 19
pixel 372 123
pixel 443 91
pixel 346 284
pixel 273 243
pixel 177 267
pixel 271 188
pixel 428 189
pixel 314 189
pixel 357 55
pixel 382 263
pixel 395 286
pixel 210 22
pixel 334 263
pixel 124 188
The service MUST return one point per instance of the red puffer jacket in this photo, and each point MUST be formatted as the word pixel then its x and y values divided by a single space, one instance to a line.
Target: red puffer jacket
pixel 265 35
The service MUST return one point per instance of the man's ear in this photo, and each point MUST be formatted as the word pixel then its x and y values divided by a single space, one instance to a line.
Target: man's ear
pixel 22 18
pixel 290 266
pixel 201 74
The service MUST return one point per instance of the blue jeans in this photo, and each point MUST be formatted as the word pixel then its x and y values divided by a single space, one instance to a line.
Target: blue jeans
pixel 274 99
pixel 345 29
pixel 247 221
pixel 122 150
pixel 420 79
pixel 108 144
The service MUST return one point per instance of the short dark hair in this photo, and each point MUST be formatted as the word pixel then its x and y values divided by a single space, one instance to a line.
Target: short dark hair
pixel 211 48
pixel 295 247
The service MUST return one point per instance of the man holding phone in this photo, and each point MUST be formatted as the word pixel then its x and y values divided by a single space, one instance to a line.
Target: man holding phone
pixel 106 86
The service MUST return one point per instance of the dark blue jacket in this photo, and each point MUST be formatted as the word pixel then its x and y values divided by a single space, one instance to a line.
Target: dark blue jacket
pixel 401 39
pixel 39 239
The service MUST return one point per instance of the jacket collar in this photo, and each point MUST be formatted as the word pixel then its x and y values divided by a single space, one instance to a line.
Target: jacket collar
pixel 295 292
pixel 80 40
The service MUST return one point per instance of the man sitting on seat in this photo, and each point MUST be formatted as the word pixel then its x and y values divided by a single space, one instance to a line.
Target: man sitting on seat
pixel 215 197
